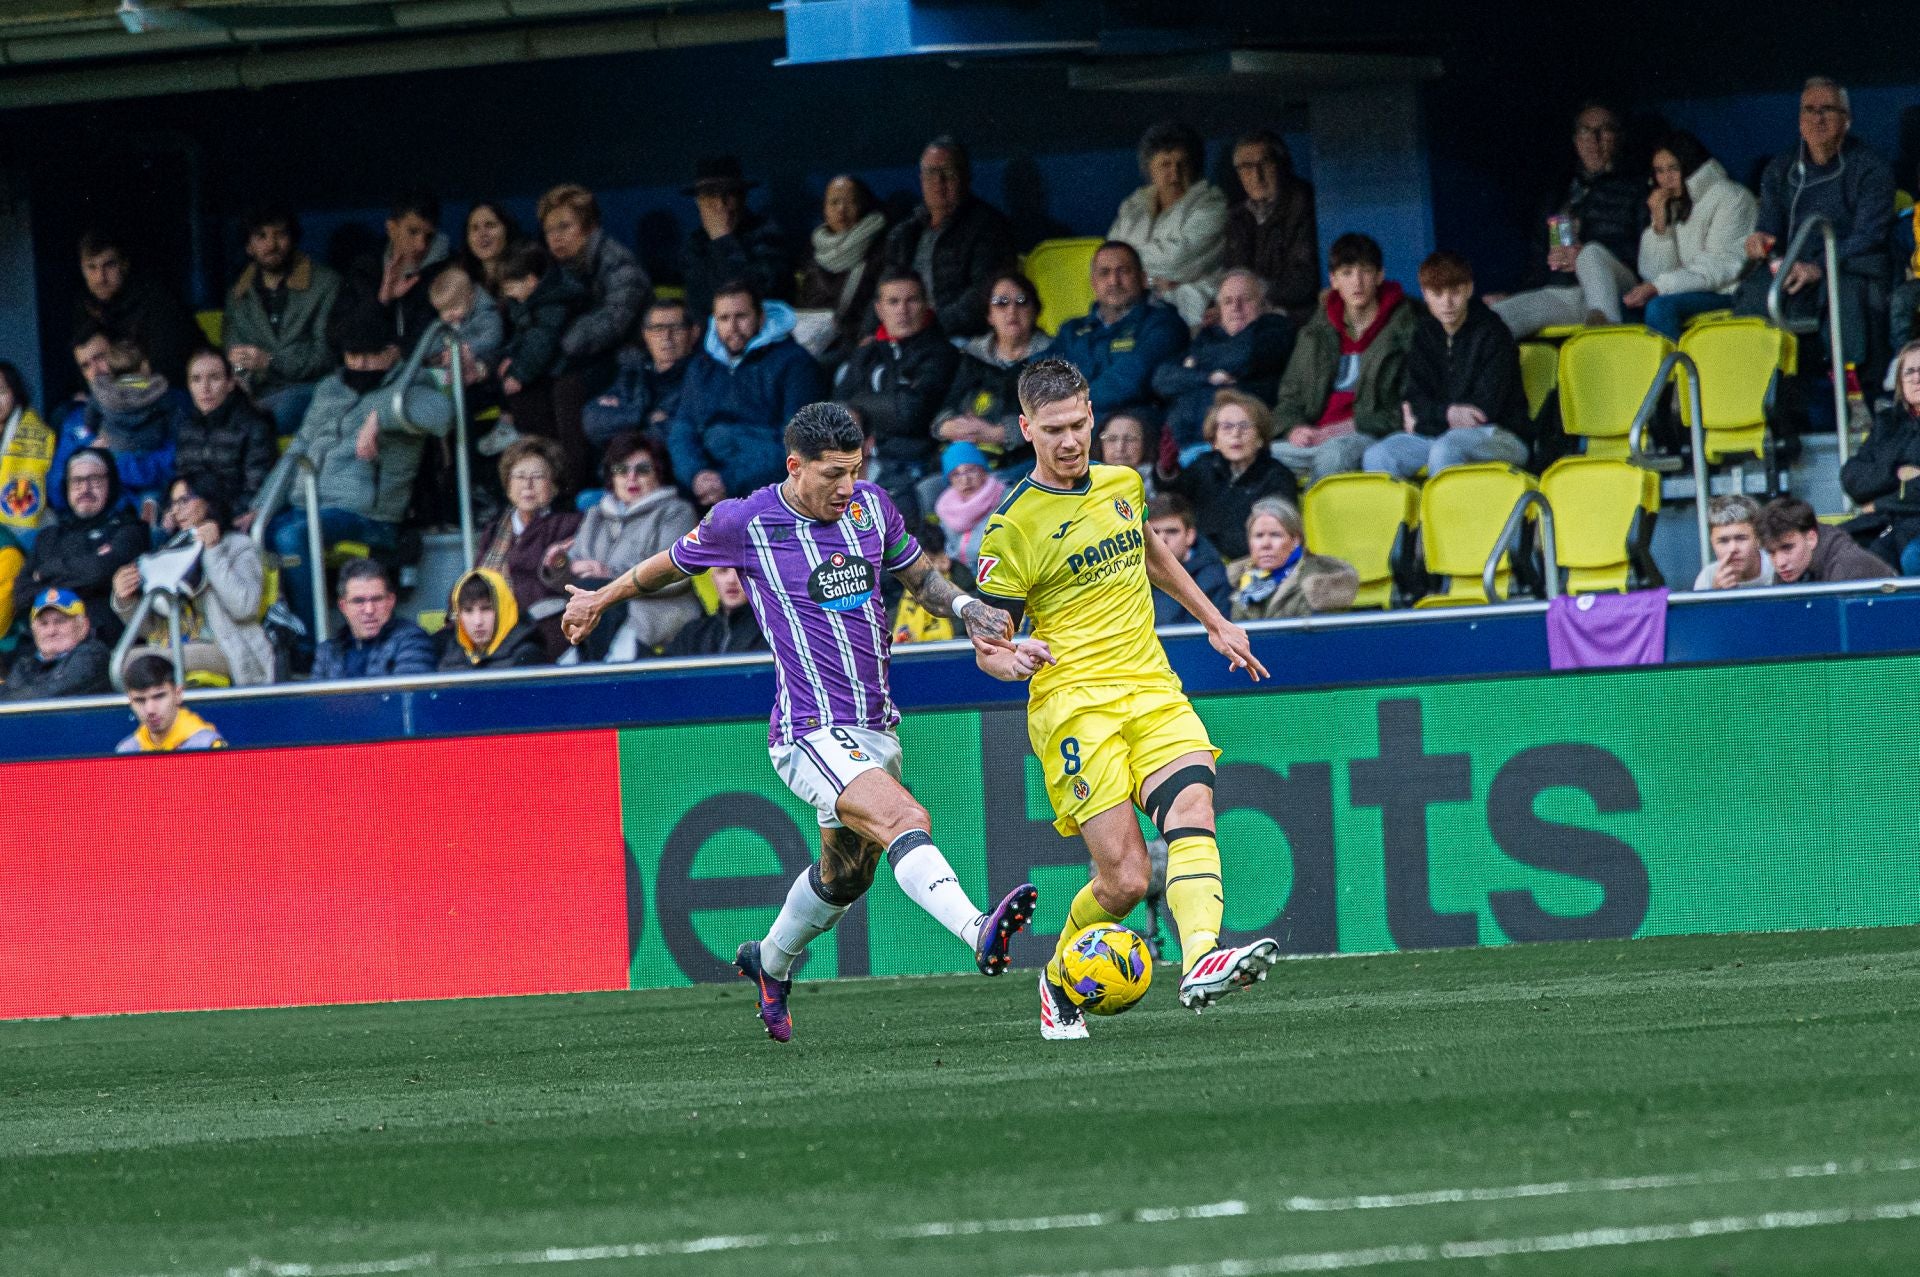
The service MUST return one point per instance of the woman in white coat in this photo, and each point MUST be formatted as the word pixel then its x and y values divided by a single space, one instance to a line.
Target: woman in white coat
pixel 1177 222
pixel 1692 253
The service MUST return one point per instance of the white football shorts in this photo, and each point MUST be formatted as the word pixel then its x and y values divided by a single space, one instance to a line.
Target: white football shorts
pixel 821 764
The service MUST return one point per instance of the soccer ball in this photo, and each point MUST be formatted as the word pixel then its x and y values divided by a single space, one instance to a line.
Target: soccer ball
pixel 1107 969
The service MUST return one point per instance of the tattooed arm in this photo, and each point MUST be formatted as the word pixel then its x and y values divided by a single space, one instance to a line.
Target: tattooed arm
pixel 986 625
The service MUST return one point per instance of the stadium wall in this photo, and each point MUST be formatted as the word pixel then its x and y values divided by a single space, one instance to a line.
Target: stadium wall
pixel 1355 819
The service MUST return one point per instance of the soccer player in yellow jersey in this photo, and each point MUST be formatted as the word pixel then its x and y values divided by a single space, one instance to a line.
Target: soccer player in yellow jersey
pixel 1070 548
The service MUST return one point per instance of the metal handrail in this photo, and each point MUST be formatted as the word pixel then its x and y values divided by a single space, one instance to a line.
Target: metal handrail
pixel 132 635
pixel 1776 302
pixel 1511 532
pixel 1696 429
pixel 272 496
pixel 462 468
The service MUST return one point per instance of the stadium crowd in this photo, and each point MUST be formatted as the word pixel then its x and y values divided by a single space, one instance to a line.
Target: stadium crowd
pixel 609 414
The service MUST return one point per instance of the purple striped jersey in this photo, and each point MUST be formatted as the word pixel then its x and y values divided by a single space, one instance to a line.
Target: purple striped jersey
pixel 815 588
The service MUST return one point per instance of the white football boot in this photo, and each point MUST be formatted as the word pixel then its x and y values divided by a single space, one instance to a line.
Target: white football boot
pixel 1060 1020
pixel 1222 971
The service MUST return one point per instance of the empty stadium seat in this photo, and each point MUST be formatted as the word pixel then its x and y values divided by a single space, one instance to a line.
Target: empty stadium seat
pixel 1062 272
pixel 1603 514
pixel 1738 359
pixel 1604 376
pixel 213 323
pixel 1368 520
pixel 1462 512
pixel 1539 373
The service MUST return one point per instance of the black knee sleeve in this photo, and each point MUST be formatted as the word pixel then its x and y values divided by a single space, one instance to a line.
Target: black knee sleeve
pixel 899 847
pixel 838 894
pixel 1161 800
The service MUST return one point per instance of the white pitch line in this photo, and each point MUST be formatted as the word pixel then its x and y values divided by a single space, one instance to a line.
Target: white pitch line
pixel 1327 1261
pixel 258 1267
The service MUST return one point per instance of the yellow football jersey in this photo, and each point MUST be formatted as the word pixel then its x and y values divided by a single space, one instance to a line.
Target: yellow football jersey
pixel 1076 560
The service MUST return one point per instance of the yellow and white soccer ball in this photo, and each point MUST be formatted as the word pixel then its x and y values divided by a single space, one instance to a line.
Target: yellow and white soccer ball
pixel 1107 968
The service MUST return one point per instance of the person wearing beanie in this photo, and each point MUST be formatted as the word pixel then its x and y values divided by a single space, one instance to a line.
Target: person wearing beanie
pixel 970 497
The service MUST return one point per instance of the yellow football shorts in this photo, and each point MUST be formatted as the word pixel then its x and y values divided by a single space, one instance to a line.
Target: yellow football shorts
pixel 1097 745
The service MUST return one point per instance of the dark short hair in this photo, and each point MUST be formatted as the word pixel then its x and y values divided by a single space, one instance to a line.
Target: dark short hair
pixel 474 591
pixel 1355 249
pixel 668 303
pixel 957 149
pixel 362 570
pixel 95 242
pixel 85 331
pixel 1445 269
pixel 15 383
pixel 148 671
pixel 631 442
pixel 1275 144
pixel 210 488
pixel 261 216
pixel 1689 150
pixel 419 201
pixel 1049 381
pixel 1172 135
pixel 525 260
pixel 1783 515
pixel 1120 244
pixel 823 427
pixel 547 450
pixel 738 285
pixel 1170 505
pixel 902 275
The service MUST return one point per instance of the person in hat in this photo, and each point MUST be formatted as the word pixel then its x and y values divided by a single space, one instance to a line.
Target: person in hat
pixel 95 539
pixel 67 660
pixel 970 498
pixel 158 701
pixel 732 241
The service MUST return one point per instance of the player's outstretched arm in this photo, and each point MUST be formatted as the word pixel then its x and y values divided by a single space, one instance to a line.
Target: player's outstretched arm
pixel 988 626
pixel 1016 662
pixel 1169 574
pixel 584 608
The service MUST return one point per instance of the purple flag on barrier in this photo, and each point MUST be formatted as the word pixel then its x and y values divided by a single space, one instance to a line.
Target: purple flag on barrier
pixel 1607 629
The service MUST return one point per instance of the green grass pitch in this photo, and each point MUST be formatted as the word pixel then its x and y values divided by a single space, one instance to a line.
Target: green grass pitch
pixel 1722 1106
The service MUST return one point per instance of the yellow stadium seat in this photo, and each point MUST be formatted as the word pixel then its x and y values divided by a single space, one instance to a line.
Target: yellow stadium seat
pixel 1604 375
pixel 1559 332
pixel 1738 359
pixel 704 591
pixel 669 292
pixel 1539 373
pixel 1462 512
pixel 1603 513
pixel 212 323
pixel 1366 519
pixel 433 621
pixel 1062 271
pixel 1706 317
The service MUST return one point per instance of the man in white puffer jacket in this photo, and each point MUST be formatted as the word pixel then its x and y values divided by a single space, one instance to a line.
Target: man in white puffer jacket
pixel 1694 250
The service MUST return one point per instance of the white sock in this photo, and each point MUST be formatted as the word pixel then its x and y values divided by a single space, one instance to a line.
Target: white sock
pixel 929 881
pixel 803 918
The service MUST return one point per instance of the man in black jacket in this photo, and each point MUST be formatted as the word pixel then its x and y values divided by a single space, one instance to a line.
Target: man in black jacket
pixel 954 241
pixel 733 628
pixel 1464 400
pixel 1589 236
pixel 732 241
pixel 89 544
pixel 131 305
pixel 1246 349
pixel 66 660
pixel 897 382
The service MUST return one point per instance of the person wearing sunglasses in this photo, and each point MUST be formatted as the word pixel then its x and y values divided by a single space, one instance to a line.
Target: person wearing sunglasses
pixel 982 406
pixel 640 514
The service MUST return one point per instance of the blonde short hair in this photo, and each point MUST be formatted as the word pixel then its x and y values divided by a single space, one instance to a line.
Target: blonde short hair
pixel 451 287
pixel 1257 412
pixel 575 198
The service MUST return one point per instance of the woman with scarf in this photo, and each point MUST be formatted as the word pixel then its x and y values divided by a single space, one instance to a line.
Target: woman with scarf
pixel 641 514
pixel 843 269
pixel 1278 577
pixel 527 533
pixel 971 495
pixel 134 415
pixel 26 458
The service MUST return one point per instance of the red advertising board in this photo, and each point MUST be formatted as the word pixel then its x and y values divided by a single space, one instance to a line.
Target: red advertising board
pixel 420 869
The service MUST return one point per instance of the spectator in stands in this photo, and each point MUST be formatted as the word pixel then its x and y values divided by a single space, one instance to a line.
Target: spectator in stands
pixel 912 622
pixel 896 383
pixel 955 241
pixel 224 436
pixel 1278 577
pixel 1123 442
pixel 646 392
pixel 639 514
pixel 1590 231
pixel 490 232
pixel 220 629
pixel 843 270
pixel 275 329
pixel 1177 222
pixel 983 406
pixel 1827 174
pixel 1125 336
pixel 1272 231
pixel 376 643
pixel 366 460
pixel 136 415
pixel 159 703
pixel 541 302
pixel 1464 399
pixel 26 458
pixel 531 531
pixel 66 659
pixel 132 306
pixel 1878 475
pixel 733 628
pixel 416 250
pixel 95 539
pixel 1170 517
pixel 484 630
pixel 1345 380
pixel 1224 483
pixel 617 288
pixel 1738 561
pixel 473 316
pixel 732 241
pixel 71 428
pixel 1805 552
pixel 969 499
pixel 1247 348
pixel 1692 252
pixel 739 391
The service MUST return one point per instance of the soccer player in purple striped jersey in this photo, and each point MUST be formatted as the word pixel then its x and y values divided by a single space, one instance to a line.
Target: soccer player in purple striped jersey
pixel 810 551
